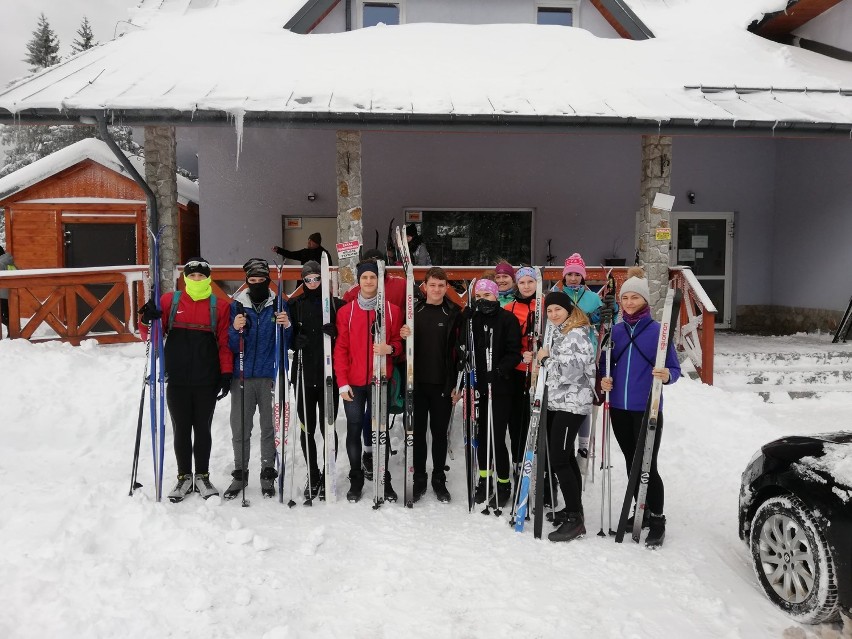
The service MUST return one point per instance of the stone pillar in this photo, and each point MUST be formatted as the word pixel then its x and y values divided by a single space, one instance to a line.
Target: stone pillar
pixel 653 253
pixel 349 224
pixel 161 176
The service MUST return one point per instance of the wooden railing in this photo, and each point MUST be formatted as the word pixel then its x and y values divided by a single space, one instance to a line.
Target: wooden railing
pixel 49 300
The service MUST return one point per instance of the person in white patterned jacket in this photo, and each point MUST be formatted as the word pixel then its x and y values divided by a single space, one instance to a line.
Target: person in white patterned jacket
pixel 570 365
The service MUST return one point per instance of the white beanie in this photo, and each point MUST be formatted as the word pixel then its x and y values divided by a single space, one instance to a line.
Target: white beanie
pixel 636 283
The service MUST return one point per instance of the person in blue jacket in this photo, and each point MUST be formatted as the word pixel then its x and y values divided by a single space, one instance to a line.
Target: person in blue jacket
pixel 633 356
pixel 253 312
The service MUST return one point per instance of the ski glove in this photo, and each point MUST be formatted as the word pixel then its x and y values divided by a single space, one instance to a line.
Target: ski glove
pixel 330 330
pixel 149 312
pixel 224 386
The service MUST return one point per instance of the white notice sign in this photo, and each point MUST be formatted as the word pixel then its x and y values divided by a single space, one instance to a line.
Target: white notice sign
pixel 663 202
pixel 461 243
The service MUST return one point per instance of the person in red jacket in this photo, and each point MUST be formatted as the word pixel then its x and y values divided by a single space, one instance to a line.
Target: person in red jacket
pixel 199 366
pixel 395 294
pixel 353 366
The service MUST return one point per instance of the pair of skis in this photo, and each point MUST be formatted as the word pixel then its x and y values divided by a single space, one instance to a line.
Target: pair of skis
pixel 281 404
pixel 408 415
pixel 640 469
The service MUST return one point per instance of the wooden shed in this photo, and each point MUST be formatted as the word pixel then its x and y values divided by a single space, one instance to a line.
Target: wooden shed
pixel 78 208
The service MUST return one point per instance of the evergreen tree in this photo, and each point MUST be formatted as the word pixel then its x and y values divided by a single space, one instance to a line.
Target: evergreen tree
pixel 43 48
pixel 85 37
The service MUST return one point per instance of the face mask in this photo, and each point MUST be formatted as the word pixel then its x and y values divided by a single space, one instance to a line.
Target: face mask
pixel 198 289
pixel 258 292
pixel 487 307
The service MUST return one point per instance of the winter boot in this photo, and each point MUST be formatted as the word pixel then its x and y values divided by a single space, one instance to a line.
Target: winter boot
pixel 481 490
pixel 439 485
pixel 583 460
pixel 356 485
pixel 504 492
pixel 312 487
pixel 419 485
pixel 656 531
pixel 203 486
pixel 240 480
pixel 267 481
pixel 572 528
pixel 367 466
pixel 559 517
pixel 390 493
pixel 182 488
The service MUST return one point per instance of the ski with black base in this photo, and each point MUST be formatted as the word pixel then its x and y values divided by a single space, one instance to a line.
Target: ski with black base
pixel 380 385
pixel 330 477
pixel 641 467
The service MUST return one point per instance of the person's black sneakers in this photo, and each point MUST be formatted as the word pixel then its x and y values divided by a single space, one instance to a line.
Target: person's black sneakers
pixel 312 488
pixel 439 485
pixel 481 490
pixel 267 482
pixel 504 493
pixel 418 487
pixel 390 493
pixel 356 485
pixel 572 528
pixel 656 531
pixel 367 466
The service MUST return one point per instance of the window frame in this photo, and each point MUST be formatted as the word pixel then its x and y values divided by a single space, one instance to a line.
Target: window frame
pixel 573 5
pixel 359 10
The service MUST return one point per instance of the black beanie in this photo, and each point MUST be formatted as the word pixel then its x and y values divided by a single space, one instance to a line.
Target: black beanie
pixel 310 268
pixel 560 299
pixel 315 237
pixel 197 265
pixel 411 229
pixel 367 267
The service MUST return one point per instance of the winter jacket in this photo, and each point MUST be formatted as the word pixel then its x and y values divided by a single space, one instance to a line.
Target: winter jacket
pixel 452 355
pixel 194 355
pixel 507 347
pixel 420 255
pixel 571 372
pixel 633 354
pixel 524 311
pixel 258 336
pixel 306 316
pixel 589 303
pixel 305 254
pixel 6 264
pixel 353 351
pixel 394 291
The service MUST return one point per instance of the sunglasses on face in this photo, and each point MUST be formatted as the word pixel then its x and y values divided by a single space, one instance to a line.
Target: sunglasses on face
pixel 196 264
pixel 312 280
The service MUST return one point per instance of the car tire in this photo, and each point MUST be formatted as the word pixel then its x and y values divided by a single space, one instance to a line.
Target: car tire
pixel 792 561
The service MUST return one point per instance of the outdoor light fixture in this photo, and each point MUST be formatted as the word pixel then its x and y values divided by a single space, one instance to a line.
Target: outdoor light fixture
pixel 691 197
pixel 312 196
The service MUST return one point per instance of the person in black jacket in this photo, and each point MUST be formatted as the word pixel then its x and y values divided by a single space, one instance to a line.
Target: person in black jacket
pixel 437 326
pixel 492 325
pixel 312 253
pixel 308 332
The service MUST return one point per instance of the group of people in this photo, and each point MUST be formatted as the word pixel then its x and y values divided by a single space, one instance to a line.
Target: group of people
pixel 494 334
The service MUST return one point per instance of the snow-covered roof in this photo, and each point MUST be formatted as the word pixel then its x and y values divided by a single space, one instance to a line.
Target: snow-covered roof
pixel 89 149
pixel 702 69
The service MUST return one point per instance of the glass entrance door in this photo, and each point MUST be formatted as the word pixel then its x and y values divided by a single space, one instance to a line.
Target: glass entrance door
pixel 704 242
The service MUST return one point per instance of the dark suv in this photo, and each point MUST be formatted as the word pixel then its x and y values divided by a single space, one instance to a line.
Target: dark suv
pixel 796 517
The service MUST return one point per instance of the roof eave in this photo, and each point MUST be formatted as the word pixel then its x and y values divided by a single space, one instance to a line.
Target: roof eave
pixel 779 24
pixel 310 15
pixel 622 18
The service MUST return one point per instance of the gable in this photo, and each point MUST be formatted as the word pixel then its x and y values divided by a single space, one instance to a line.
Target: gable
pixel 86 179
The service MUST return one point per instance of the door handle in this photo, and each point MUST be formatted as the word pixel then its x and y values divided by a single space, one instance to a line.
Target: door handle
pixel 67 241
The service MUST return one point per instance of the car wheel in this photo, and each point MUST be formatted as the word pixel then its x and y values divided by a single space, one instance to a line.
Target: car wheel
pixel 792 560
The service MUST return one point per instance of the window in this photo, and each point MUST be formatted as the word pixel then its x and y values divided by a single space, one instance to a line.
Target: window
pixel 373 13
pixel 564 13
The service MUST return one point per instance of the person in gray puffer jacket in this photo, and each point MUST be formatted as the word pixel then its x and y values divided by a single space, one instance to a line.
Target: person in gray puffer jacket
pixel 570 365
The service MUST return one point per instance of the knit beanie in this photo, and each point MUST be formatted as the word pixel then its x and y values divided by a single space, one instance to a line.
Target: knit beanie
pixel 635 283
pixel 310 268
pixel 256 267
pixel 505 268
pixel 367 267
pixel 315 237
pixel 575 264
pixel 197 265
pixel 560 299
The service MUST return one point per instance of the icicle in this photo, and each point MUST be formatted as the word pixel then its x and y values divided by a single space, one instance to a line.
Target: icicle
pixel 239 115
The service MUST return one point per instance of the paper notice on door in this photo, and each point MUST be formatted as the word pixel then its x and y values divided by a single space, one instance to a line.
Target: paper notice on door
pixel 686 255
pixel 699 241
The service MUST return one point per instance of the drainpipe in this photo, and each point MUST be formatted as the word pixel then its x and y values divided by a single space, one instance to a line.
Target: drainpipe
pixel 349 15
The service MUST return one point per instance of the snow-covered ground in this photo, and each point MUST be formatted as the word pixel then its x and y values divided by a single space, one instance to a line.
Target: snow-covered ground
pixel 81 559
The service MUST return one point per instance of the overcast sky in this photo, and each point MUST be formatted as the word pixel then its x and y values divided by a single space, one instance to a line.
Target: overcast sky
pixel 19 19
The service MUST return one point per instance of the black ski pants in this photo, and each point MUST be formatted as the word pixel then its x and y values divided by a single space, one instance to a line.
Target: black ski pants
pixel 519 421
pixel 315 401
pixel 191 409
pixel 362 401
pixel 501 409
pixel 432 410
pixel 626 425
pixel 562 429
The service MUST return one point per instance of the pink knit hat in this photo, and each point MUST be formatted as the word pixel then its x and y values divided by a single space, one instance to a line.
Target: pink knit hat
pixel 575 264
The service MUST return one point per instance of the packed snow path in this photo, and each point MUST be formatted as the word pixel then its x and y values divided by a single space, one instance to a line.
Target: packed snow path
pixel 82 559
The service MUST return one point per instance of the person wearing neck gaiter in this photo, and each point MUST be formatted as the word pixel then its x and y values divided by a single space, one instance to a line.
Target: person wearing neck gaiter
pixel 353 366
pixel 253 313
pixel 495 327
pixel 634 352
pixel 308 334
pixel 198 366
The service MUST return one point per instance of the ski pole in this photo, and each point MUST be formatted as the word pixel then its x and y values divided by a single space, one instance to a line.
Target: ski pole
pixel 243 469
pixel 134 484
pixel 308 435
